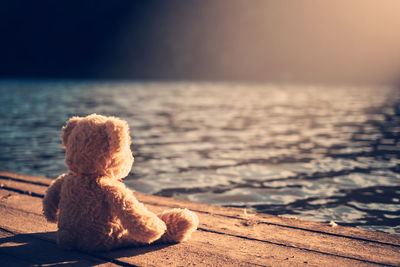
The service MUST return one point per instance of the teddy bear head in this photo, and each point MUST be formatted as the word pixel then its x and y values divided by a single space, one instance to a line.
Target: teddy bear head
pixel 97 146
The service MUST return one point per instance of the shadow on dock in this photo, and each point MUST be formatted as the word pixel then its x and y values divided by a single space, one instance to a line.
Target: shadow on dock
pixel 40 249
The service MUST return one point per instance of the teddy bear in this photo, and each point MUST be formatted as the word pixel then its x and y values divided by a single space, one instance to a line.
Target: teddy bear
pixel 95 211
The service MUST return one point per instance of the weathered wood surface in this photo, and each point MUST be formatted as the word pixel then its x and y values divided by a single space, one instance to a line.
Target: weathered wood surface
pixel 226 237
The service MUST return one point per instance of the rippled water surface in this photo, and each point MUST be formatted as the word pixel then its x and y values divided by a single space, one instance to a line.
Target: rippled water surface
pixel 319 153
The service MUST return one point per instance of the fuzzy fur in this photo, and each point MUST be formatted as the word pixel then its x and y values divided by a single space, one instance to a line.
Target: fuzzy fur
pixel 93 209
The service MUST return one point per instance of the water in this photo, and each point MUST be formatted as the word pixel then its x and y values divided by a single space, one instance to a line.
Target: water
pixel 318 153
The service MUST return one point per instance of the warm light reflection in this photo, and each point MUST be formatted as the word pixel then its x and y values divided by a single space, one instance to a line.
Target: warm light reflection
pixel 320 41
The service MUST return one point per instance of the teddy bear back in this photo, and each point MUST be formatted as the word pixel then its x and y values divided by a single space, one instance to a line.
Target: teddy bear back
pixel 97 145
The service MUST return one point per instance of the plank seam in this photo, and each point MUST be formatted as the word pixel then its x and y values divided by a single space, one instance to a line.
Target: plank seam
pixel 332 234
pixel 22 180
pixel 7 230
pixel 300 248
pixel 20 191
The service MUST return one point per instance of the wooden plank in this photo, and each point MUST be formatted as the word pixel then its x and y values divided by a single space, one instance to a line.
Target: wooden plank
pixel 290 223
pixel 253 230
pixel 219 226
pixel 23 188
pixel 350 232
pixel 204 248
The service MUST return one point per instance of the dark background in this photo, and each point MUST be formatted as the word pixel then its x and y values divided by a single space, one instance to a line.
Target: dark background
pixel 355 41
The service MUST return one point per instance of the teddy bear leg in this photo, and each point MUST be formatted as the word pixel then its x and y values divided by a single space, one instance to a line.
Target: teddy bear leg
pixel 181 223
pixel 126 240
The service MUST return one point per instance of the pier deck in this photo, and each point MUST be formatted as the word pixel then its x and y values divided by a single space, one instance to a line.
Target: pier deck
pixel 226 237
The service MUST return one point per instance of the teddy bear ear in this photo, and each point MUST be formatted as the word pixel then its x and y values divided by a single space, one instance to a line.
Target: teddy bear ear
pixel 67 129
pixel 118 133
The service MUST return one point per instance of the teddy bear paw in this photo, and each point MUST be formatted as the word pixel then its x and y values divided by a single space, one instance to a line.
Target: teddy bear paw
pixel 181 223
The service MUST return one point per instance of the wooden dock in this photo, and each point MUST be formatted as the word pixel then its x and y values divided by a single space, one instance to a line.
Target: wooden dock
pixel 226 237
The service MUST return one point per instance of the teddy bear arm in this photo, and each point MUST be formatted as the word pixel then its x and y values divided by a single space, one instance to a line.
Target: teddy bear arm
pixel 52 198
pixel 143 225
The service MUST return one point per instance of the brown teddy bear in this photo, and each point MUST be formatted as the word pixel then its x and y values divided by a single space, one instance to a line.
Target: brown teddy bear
pixel 94 209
